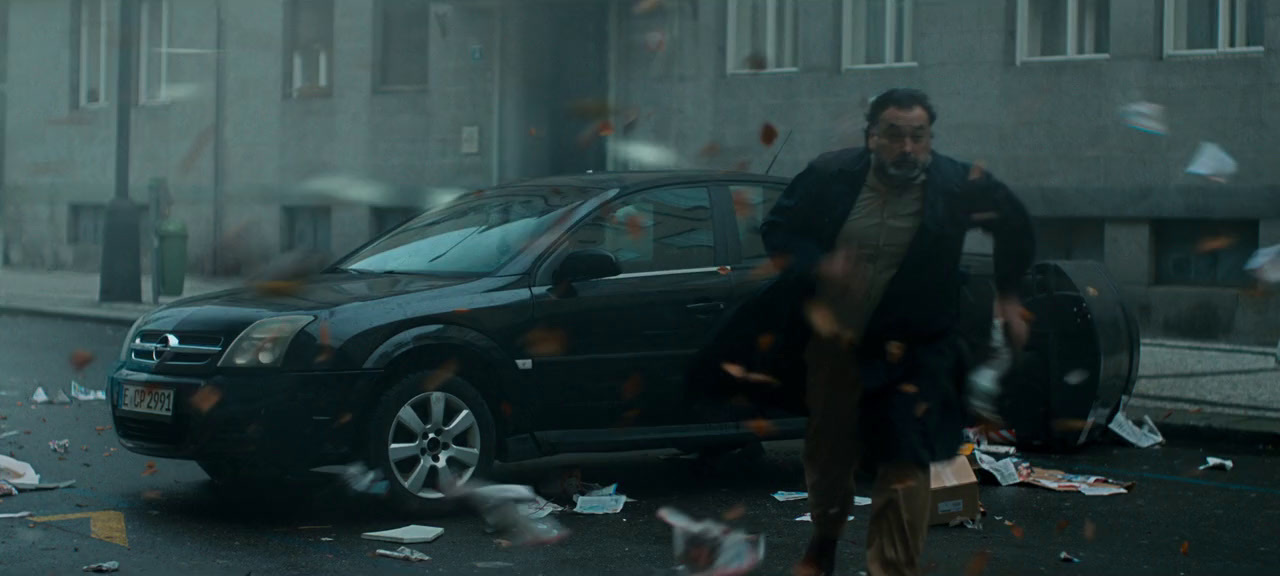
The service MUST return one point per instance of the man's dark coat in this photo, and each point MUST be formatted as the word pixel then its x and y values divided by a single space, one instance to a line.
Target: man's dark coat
pixel 920 314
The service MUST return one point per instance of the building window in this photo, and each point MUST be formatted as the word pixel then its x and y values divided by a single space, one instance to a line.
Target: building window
pixel 85 226
pixel 403 26
pixel 1063 29
pixel 153 50
pixel 92 44
pixel 310 47
pixel 307 228
pixel 1204 252
pixel 762 35
pixel 1213 26
pixel 877 32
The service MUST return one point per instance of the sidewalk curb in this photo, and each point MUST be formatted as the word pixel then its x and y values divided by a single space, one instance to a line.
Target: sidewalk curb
pixel 117 317
pixel 1229 428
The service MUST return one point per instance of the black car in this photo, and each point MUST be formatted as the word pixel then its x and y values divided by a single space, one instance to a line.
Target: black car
pixel 542 317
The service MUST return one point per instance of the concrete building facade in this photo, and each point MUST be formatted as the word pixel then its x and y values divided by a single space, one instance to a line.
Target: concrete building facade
pixel 250 110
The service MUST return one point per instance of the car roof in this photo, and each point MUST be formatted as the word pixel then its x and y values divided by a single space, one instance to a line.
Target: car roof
pixel 639 179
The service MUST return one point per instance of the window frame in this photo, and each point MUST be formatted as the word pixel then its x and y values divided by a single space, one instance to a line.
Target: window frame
pixel 1224 32
pixel 104 48
pixel 380 83
pixel 144 55
pixel 847 46
pixel 293 87
pixel 771 28
pixel 1073 23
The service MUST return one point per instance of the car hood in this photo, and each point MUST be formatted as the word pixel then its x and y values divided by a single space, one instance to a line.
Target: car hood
pixel 235 308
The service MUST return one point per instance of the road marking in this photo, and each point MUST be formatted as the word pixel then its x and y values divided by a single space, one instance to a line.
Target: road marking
pixel 105 525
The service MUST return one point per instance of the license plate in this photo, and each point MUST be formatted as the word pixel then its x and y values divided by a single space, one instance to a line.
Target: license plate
pixel 147 399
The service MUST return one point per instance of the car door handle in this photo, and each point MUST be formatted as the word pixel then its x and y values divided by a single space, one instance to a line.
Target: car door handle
pixel 705 307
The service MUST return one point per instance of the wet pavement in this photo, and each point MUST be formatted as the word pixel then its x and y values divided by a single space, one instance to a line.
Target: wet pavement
pixel 174 521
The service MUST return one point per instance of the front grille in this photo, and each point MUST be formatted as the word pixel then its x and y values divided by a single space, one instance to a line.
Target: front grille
pixel 180 349
pixel 150 431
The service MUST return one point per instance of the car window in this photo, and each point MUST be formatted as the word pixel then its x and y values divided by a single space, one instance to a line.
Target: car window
pixel 751 204
pixel 667 229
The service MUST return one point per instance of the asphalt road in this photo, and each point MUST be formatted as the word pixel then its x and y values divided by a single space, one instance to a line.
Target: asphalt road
pixel 174 522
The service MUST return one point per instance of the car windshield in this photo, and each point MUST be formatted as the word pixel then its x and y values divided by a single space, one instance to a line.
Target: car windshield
pixel 473 235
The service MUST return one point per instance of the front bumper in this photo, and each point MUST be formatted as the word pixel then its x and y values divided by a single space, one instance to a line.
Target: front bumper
pixel 289 419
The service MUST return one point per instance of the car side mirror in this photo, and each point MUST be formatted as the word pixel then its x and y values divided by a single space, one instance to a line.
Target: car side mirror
pixel 586 264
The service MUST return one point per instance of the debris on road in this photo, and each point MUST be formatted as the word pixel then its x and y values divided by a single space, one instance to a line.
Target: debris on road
pixel 970 523
pixel 538 508
pixel 10 433
pixel 861 501
pixel 789 496
pixel 1211 463
pixel 60 446
pixel 980 436
pixel 611 504
pixel 39 397
pixel 953 491
pixel 1063 556
pixel 102 567
pixel 808 517
pixel 359 478
pixel 85 394
pixel 707 547
pixel 1144 436
pixel 1010 471
pixel 7 489
pixel 412 534
pixel 22 514
pixel 1005 471
pixel 500 506
pixel 17 472
pixel 403 553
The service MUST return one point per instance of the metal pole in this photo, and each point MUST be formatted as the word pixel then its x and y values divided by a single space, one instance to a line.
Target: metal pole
pixel 219 105
pixel 121 276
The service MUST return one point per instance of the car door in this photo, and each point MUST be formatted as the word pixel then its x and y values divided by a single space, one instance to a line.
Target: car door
pixel 612 353
pixel 751 203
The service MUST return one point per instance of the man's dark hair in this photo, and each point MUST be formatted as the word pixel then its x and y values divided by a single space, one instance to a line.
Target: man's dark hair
pixel 900 98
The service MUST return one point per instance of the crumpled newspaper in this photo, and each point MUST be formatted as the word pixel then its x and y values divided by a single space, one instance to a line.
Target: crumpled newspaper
pixel 709 548
pixel 102 567
pixel 403 553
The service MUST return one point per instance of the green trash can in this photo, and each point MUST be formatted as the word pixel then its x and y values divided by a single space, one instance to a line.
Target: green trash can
pixel 171 236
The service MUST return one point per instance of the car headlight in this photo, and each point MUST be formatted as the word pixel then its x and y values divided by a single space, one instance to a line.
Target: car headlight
pixel 264 343
pixel 128 338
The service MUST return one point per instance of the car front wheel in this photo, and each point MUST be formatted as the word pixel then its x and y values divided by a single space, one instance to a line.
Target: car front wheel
pixel 426 441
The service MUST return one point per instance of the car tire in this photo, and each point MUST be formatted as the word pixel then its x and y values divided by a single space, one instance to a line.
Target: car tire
pixel 419 438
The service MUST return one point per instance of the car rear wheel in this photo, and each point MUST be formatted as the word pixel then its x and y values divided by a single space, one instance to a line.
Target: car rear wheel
pixel 426 441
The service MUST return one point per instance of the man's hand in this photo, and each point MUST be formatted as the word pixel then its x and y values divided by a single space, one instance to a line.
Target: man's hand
pixel 1010 310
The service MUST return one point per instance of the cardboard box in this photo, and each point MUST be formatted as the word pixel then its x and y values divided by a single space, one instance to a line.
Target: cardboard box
pixel 953 491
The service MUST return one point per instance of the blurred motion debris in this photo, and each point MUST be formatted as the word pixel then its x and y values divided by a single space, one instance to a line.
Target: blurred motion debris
pixel 403 553
pixel 1213 463
pixel 500 507
pixel 412 534
pixel 1265 264
pixel 1063 556
pixel 102 567
pixel 1145 116
pixel 1212 162
pixel 80 358
pixel 808 517
pixel 789 496
pixel 709 548
pixel 22 514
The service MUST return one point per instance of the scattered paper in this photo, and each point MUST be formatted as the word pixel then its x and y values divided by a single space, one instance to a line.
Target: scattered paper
pixel 538 508
pixel 808 517
pixel 102 567
pixel 39 397
pixel 1212 162
pixel 360 478
pixel 1076 376
pixel 997 449
pixel 1063 556
pixel 10 433
pixel 1102 490
pixel 789 496
pixel 609 490
pixel 861 501
pixel 404 553
pixel 17 472
pixel 60 446
pixel 506 507
pixel 1145 116
pixel 7 489
pixel 970 523
pixel 22 514
pixel 1212 463
pixel 1265 264
pixel 412 534
pixel 599 504
pixel 1005 471
pixel 1144 437
pixel 709 548
pixel 81 393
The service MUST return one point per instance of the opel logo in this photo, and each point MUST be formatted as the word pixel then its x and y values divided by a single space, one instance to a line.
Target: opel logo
pixel 164 348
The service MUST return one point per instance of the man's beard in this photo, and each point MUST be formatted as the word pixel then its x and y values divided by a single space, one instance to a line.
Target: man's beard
pixel 902 171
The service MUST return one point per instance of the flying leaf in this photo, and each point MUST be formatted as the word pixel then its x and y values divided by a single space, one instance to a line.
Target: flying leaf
pixel 1062 525
pixel 632 387
pixel 1090 530
pixel 440 375
pixel 80 358
pixel 893 351
pixel 761 427
pixel 206 398
pixel 743 207
pixel 977 564
pixel 635 227
pixel 909 388
pixel 1017 531
pixel 605 128
pixel 1214 244
pixel 545 342
pixel 150 468
pixel 738 511
pixel 765 341
pixel 768 134
pixel 710 150
pixel 1186 548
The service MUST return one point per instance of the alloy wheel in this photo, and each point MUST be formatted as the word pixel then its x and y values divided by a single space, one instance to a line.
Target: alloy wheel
pixel 433 444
